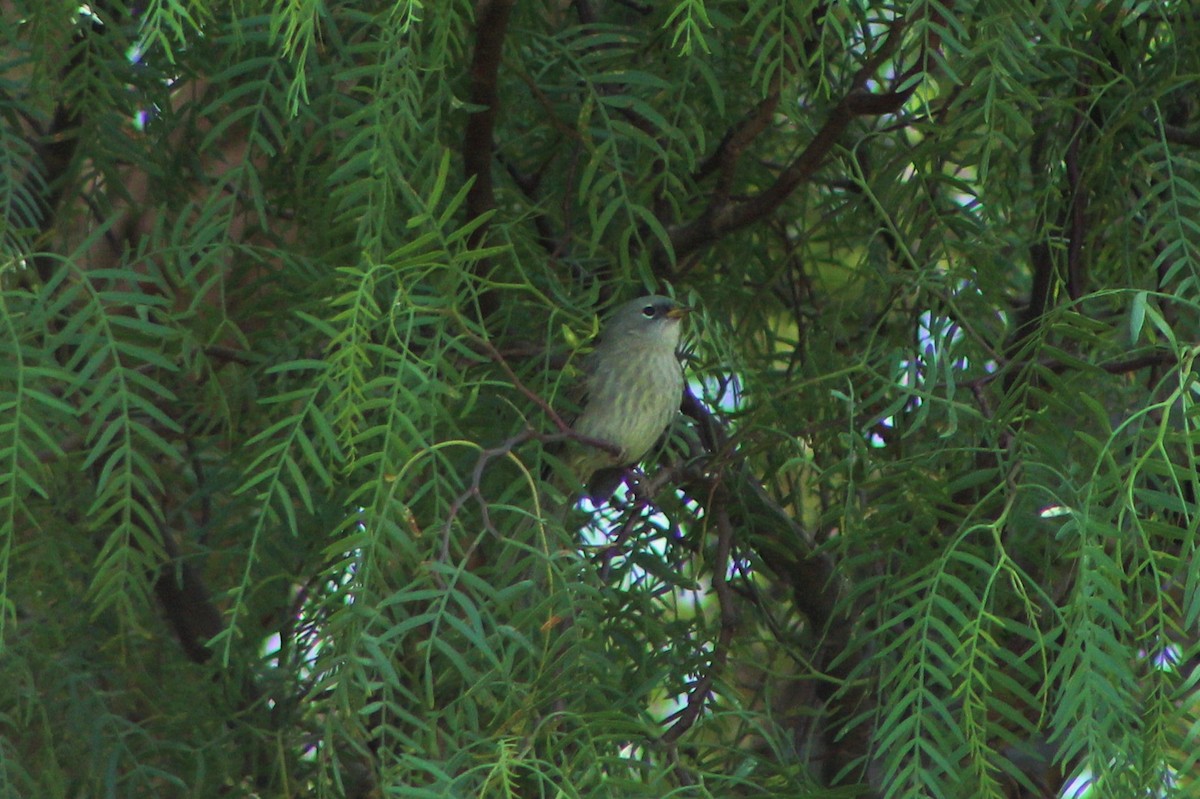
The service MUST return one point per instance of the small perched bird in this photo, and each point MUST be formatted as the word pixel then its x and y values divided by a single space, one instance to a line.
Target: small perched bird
pixel 632 387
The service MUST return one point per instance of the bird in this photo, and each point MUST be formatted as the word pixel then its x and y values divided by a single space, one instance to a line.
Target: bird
pixel 631 390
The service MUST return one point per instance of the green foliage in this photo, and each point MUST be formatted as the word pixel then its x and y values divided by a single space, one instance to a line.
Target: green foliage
pixel 286 291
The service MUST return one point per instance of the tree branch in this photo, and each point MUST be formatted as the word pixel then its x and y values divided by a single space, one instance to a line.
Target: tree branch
pixel 1177 135
pixel 721 217
pixel 478 145
pixel 186 602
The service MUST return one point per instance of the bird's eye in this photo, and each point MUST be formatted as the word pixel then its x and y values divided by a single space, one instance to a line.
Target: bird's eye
pixel 648 312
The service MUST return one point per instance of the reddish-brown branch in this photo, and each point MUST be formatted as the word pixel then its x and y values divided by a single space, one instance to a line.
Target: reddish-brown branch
pixel 497 358
pixel 565 431
pixel 725 158
pixel 478 144
pixel 721 217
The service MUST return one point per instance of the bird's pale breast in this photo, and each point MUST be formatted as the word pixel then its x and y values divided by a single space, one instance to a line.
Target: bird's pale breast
pixel 639 396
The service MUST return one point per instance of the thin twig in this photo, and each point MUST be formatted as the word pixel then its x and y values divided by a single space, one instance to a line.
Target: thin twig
pixel 566 432
pixel 474 489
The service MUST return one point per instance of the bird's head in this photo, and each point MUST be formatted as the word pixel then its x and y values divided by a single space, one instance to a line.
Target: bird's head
pixel 654 318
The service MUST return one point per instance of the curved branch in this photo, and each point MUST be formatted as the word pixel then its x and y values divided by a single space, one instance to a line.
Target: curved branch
pixel 722 217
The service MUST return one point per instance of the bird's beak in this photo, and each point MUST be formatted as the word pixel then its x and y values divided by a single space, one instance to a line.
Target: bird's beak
pixel 678 312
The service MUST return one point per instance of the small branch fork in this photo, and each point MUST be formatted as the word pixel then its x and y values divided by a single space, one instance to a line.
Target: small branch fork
pixel 721 216
pixel 509 445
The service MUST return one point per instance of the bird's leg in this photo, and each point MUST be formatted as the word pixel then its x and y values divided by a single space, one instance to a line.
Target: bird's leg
pixel 636 482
